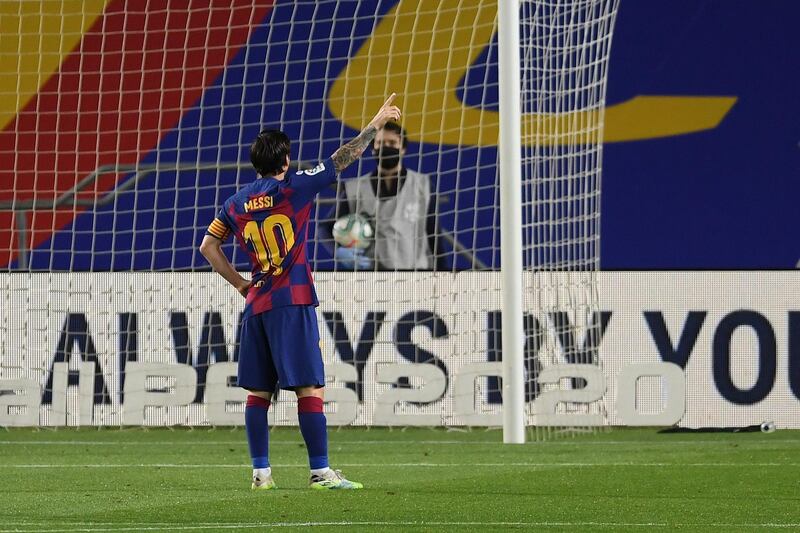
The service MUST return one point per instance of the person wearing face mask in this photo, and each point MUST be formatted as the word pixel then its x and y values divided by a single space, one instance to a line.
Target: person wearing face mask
pixel 399 205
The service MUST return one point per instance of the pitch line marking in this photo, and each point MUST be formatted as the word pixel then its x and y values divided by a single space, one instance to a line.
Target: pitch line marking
pixel 88 526
pixel 407 465
pixel 392 442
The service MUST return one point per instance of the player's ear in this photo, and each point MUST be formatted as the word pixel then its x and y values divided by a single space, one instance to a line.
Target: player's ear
pixel 286 165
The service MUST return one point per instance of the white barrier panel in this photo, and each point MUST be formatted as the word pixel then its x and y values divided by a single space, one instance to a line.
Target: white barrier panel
pixel 228 407
pixel 673 390
pixel 546 404
pixel 697 349
pixel 177 388
pixel 19 402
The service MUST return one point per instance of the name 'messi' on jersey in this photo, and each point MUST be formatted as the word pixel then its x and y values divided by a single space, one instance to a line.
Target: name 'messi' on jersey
pixel 258 203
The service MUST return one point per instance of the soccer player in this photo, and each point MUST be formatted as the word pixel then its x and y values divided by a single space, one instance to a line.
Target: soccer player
pixel 279 343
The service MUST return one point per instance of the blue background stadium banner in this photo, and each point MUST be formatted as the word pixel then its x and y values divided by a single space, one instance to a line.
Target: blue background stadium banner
pixel 701 164
pixel 702 349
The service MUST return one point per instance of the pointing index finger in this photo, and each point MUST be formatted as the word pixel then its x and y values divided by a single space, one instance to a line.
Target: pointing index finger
pixel 389 100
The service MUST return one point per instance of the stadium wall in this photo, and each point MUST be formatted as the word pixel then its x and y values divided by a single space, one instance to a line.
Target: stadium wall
pixel 160 348
pixel 721 198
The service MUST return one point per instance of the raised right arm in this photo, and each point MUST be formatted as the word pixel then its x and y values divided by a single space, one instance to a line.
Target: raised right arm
pixel 347 153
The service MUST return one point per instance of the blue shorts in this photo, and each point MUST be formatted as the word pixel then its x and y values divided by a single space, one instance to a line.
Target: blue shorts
pixel 280 348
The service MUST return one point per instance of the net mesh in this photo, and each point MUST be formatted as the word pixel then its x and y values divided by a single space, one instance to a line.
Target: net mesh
pixel 565 50
pixel 126 125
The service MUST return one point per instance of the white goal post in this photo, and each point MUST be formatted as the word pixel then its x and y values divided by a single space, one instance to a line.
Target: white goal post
pixel 127 127
pixel 510 166
pixel 551 126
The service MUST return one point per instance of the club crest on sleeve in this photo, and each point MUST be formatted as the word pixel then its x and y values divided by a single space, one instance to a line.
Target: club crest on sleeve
pixel 311 171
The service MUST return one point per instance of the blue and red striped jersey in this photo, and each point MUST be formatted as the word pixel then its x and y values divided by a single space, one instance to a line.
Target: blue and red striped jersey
pixel 269 218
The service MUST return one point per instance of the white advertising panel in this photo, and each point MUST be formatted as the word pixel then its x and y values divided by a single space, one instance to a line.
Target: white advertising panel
pixel 696 349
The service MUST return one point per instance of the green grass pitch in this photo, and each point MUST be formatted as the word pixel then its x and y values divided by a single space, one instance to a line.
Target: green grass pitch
pixel 416 480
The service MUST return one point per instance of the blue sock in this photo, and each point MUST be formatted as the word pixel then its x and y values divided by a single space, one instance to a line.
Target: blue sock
pixel 257 428
pixel 314 428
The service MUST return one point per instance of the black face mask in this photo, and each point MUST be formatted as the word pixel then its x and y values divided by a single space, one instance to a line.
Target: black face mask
pixel 388 157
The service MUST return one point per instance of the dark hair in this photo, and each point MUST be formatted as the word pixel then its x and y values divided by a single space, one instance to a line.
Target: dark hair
pixel 396 128
pixel 268 152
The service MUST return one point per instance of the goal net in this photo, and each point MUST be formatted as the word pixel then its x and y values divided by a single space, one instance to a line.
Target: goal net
pixel 126 125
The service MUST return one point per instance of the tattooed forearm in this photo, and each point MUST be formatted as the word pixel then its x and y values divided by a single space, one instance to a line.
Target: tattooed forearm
pixel 344 156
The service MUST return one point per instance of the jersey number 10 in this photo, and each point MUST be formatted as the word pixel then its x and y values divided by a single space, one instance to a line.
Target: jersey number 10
pixel 264 238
